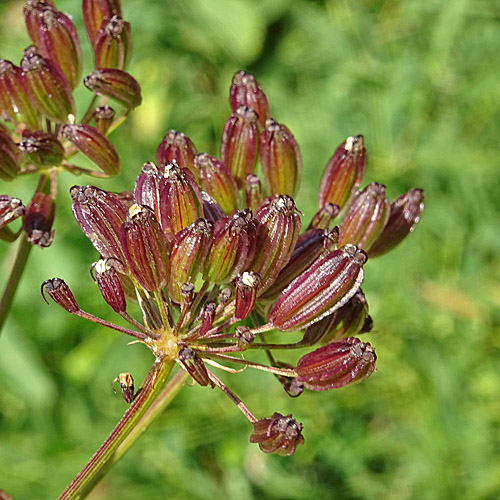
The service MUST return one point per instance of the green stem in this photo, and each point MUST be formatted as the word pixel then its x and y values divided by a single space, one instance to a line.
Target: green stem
pixel 117 123
pixel 109 452
pixel 156 409
pixel 17 270
pixel 90 110
pixel 23 252
pixel 161 306
pixel 6 234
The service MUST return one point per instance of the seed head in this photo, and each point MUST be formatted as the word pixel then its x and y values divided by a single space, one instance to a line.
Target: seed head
pixel 278 434
pixel 344 172
pixel 337 364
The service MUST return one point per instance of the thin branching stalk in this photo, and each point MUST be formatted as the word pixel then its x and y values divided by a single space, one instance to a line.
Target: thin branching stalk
pixel 112 326
pixel 232 396
pixel 285 372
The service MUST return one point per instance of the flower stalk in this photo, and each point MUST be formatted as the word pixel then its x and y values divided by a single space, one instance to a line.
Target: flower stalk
pixel 201 243
pixel 17 270
pixel 110 451
pixel 175 246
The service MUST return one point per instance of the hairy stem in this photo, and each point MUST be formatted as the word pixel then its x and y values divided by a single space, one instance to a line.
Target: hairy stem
pixel 109 452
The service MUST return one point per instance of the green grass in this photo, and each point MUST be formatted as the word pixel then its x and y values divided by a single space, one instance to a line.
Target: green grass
pixel 420 81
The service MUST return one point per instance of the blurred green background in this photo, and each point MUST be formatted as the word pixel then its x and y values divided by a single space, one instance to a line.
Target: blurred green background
pixel 420 81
